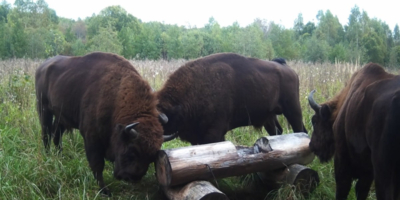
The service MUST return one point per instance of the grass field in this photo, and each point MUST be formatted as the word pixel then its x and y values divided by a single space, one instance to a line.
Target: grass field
pixel 26 172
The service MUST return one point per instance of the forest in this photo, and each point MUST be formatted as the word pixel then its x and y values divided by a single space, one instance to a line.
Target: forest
pixel 31 29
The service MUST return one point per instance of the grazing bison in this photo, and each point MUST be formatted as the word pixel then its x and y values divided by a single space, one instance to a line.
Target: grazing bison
pixel 360 128
pixel 205 98
pixel 114 109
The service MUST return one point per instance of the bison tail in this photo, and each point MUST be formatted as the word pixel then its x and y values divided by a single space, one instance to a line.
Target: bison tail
pixel 390 147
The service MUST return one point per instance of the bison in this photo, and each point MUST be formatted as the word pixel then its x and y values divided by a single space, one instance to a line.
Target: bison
pixel 360 128
pixel 205 98
pixel 113 107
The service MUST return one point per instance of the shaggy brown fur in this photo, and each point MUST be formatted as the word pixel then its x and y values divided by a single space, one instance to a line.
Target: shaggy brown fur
pixel 360 128
pixel 100 94
pixel 206 97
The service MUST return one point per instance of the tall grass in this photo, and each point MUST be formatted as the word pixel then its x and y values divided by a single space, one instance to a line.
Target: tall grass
pixel 26 172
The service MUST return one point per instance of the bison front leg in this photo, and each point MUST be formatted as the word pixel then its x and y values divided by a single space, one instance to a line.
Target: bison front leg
pixel 95 158
pixel 343 178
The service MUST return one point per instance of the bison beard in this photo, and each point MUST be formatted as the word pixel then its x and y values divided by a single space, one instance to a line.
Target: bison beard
pixel 206 97
pixel 114 109
pixel 359 127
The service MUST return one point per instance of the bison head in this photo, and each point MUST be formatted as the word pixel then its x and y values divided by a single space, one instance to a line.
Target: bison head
pixel 322 139
pixel 130 163
pixel 136 146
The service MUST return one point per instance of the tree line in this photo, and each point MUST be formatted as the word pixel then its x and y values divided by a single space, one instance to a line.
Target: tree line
pixel 33 30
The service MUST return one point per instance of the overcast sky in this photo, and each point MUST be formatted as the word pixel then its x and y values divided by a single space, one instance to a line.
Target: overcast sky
pixel 197 13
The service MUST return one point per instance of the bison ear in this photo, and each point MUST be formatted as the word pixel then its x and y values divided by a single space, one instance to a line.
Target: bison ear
pixel 325 112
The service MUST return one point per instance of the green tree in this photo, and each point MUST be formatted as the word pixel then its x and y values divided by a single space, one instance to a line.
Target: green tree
pixel 211 38
pixel 309 29
pixel 252 42
pixel 36 42
pixel 375 48
pixel 298 26
pixel 229 37
pixel 114 16
pixel 55 43
pixel 338 53
pixel 106 41
pixel 396 35
pixel 283 42
pixel 395 57
pixel 17 40
pixel 4 40
pixel 78 48
pixel 317 50
pixel 192 43
pixel 173 42
pixel 354 33
pixel 329 28
pixel 4 10
pixel 127 38
pixel 148 42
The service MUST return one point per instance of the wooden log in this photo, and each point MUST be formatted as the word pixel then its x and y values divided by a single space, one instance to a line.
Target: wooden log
pixel 301 177
pixel 295 144
pixel 196 190
pixel 223 159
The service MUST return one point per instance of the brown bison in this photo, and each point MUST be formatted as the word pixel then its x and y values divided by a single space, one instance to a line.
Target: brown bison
pixel 360 128
pixel 114 109
pixel 205 98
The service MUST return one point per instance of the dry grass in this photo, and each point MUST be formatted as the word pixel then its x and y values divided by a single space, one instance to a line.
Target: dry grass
pixel 27 173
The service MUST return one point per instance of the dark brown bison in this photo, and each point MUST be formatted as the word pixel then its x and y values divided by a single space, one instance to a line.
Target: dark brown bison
pixel 360 128
pixel 114 109
pixel 205 98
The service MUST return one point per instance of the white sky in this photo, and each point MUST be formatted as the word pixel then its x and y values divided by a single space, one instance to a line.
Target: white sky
pixel 225 12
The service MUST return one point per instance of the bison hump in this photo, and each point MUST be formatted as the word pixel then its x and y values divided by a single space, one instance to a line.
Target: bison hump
pixel 279 60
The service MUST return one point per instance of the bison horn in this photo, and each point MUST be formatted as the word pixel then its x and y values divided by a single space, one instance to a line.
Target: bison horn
pixel 170 137
pixel 314 105
pixel 130 129
pixel 163 118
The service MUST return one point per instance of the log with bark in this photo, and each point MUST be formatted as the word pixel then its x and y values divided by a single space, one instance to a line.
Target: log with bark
pixel 196 190
pixel 301 177
pixel 223 159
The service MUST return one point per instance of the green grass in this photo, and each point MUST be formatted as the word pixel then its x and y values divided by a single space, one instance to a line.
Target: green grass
pixel 26 172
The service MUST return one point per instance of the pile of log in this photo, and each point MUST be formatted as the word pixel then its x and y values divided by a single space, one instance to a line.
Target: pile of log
pixel 277 159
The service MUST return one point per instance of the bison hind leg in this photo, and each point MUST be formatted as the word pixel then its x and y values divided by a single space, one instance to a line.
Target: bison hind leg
pixel 46 120
pixel 272 126
pixel 363 186
pixel 58 132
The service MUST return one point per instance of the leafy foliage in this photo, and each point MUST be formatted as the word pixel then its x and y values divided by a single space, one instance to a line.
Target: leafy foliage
pixel 31 29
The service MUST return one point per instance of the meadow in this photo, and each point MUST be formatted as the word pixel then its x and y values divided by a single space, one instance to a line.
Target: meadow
pixel 26 172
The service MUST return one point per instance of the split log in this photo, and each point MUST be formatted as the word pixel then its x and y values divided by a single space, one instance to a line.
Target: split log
pixel 223 159
pixel 196 190
pixel 301 177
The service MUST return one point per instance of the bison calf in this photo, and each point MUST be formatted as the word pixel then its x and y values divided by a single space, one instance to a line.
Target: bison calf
pixel 206 97
pixel 114 109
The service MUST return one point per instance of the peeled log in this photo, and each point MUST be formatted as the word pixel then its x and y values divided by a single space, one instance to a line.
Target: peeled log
pixel 196 190
pixel 301 177
pixel 223 159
